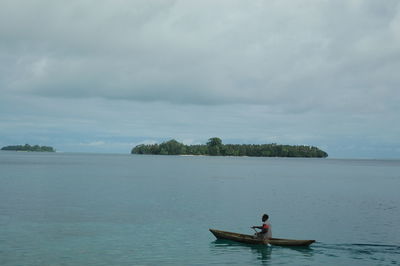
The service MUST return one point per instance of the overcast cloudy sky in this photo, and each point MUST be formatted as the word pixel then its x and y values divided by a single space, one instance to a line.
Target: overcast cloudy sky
pixel 106 75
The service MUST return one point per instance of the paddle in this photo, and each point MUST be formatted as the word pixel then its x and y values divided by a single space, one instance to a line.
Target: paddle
pixel 254 229
pixel 268 244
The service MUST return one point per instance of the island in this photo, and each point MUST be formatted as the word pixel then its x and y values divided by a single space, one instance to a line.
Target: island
pixel 214 147
pixel 27 147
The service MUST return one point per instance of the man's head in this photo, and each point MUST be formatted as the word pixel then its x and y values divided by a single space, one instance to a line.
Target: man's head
pixel 265 217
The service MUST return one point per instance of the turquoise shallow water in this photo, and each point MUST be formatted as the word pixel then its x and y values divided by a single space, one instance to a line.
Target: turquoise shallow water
pixel 92 209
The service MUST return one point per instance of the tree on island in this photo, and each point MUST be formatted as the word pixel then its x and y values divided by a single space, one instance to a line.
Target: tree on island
pixel 27 147
pixel 214 147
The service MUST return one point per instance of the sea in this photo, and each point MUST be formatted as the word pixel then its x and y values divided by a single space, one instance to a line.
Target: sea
pixel 123 209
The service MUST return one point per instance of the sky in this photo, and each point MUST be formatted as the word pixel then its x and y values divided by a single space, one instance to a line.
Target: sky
pixel 107 75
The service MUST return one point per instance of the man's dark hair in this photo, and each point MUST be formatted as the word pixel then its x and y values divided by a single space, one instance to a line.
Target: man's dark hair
pixel 265 217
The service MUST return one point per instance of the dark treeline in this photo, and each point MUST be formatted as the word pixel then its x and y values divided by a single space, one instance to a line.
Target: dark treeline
pixel 28 147
pixel 215 147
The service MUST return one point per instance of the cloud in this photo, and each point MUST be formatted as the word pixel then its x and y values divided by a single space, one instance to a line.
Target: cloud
pixel 93 143
pixel 296 55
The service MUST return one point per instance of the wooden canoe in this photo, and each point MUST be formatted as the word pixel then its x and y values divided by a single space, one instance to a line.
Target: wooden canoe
pixel 249 239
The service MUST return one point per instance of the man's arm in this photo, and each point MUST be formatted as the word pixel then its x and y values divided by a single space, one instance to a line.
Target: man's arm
pixel 258 227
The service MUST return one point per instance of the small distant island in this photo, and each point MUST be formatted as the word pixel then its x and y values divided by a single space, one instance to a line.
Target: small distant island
pixel 27 147
pixel 214 147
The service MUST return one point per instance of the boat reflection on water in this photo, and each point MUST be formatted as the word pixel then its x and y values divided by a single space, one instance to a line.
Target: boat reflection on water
pixel 262 253
pixel 221 246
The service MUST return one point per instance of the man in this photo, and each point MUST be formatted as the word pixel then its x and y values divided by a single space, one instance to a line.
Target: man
pixel 266 232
